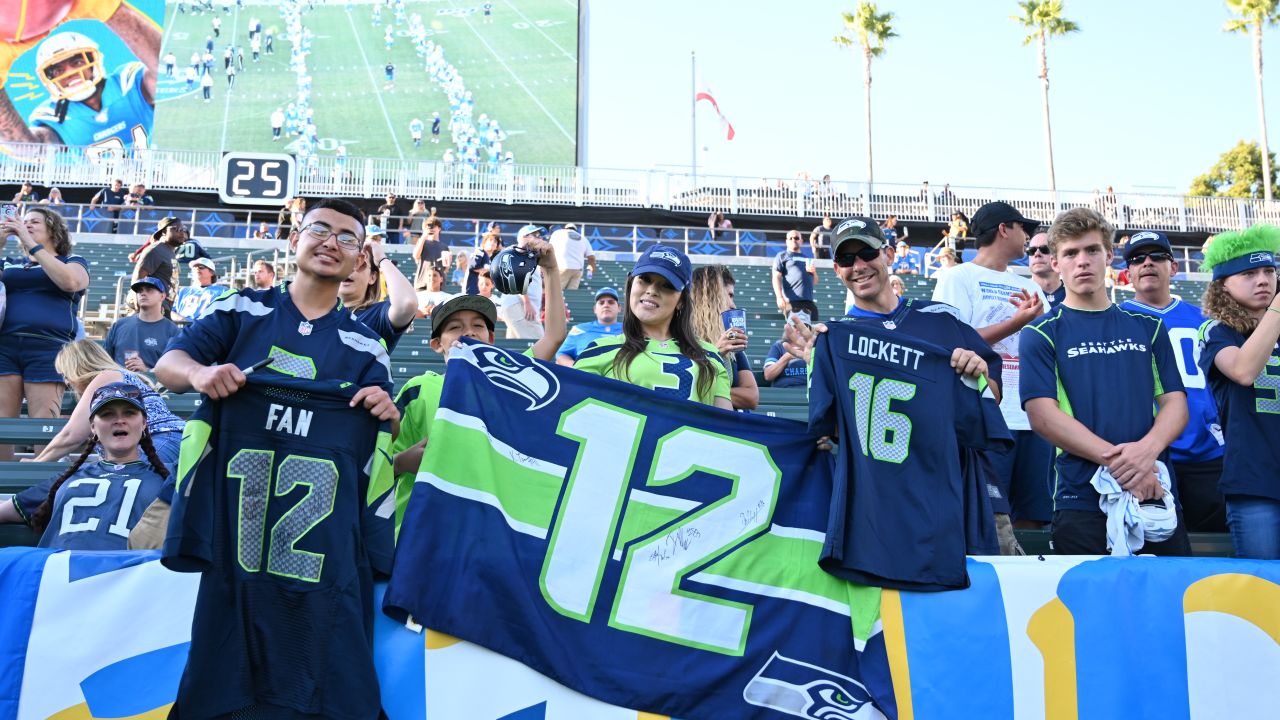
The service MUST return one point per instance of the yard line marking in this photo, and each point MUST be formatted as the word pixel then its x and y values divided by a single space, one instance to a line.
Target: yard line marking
pixel 373 82
pixel 519 82
pixel 226 91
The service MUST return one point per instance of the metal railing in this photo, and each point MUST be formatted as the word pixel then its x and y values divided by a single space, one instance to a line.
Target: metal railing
pixel 196 171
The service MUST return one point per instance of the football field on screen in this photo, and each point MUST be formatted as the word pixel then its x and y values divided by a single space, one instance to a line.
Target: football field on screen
pixel 521 68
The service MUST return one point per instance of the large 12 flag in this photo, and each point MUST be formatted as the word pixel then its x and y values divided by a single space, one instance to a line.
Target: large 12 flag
pixel 657 555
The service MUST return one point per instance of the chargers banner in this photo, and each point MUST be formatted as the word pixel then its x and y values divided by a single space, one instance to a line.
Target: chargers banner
pixel 104 635
pixel 655 554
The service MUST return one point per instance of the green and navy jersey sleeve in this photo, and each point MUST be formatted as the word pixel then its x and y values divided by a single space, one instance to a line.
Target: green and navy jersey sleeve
pixel 1039 364
pixel 417 402
pixel 1250 417
pixel 377 318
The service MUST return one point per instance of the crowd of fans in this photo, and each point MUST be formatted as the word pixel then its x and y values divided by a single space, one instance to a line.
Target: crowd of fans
pixel 1038 326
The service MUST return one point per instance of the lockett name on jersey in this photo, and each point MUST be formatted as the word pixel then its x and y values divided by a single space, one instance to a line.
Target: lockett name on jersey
pixel 885 351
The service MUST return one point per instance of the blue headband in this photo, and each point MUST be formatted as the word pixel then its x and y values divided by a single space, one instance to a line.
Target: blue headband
pixel 1245 262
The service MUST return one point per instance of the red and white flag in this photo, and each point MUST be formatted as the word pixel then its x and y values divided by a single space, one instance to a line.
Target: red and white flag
pixel 704 93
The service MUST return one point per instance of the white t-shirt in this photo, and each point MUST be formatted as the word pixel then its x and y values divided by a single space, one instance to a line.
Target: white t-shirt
pixel 571 248
pixel 981 295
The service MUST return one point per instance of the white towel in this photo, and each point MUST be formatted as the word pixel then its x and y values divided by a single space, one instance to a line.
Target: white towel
pixel 1129 524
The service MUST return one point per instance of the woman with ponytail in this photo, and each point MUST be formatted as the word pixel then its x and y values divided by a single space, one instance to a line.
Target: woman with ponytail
pixel 92 506
pixel 1241 360
pixel 658 347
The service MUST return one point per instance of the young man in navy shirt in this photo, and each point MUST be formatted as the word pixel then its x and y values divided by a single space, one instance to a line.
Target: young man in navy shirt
pixel 1091 372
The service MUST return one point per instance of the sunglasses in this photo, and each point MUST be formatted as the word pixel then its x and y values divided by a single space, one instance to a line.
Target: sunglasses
pixel 1156 256
pixel 866 254
pixel 1038 250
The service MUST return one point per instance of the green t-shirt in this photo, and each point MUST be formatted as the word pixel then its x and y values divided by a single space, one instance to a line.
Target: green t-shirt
pixel 660 367
pixel 418 401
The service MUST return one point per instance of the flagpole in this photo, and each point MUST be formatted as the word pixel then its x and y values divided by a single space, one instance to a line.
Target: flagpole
pixel 693 115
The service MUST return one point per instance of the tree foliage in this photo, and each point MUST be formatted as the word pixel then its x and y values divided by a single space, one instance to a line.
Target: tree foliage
pixel 1043 15
pixel 866 27
pixel 1238 174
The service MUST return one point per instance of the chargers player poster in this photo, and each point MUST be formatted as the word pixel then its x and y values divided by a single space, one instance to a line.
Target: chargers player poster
pixel 79 72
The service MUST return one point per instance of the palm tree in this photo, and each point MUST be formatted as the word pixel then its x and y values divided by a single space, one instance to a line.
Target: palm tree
pixel 868 29
pixel 1044 19
pixel 1253 14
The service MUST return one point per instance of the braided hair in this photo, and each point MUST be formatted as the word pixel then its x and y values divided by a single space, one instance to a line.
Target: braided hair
pixel 43 514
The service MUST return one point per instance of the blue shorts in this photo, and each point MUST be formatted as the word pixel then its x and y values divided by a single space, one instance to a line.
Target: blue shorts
pixel 30 357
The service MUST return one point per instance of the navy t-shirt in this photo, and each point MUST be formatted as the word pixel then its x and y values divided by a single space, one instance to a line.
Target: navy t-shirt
pixel 378 319
pixel 898 506
pixel 796 374
pixel 96 507
pixel 1250 417
pixel 797 282
pixel 479 259
pixel 1105 368
pixel 37 307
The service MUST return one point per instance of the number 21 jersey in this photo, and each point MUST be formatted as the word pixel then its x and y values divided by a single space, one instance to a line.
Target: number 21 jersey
pixel 899 499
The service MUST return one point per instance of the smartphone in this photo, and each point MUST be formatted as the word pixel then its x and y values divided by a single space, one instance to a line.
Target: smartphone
pixel 130 354
pixel 9 211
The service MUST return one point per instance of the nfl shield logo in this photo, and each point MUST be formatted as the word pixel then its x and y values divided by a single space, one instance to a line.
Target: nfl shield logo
pixel 304 328
pixel 891 325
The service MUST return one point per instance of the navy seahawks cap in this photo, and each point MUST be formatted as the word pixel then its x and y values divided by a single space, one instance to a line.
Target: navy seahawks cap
pixel 994 213
pixel 666 261
pixel 860 228
pixel 154 282
pixel 116 392
pixel 1146 241
pixel 607 292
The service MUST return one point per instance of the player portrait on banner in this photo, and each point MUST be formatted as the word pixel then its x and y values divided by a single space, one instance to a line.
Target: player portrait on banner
pixel 78 72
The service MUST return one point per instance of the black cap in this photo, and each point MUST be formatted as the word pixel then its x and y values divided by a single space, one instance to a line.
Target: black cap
pixel 994 213
pixel 1146 241
pixel 164 225
pixel 477 303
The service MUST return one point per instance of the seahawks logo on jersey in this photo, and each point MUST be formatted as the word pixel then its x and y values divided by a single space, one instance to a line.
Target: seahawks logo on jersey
pixel 514 373
pixel 808 691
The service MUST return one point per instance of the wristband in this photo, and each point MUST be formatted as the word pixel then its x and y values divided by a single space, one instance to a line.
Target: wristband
pixel 1271 309
pixel 36 249
pixel 384 259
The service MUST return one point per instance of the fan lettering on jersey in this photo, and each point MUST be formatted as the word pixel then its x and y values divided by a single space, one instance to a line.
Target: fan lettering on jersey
pixel 280 418
pixel 885 351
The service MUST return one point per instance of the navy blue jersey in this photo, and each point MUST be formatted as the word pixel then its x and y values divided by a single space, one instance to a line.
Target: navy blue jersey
pixel 1055 298
pixel 901 414
pixel 479 260
pixel 378 319
pixel 797 281
pixel 1250 417
pixel 940 323
pixel 96 507
pixel 1201 441
pixel 37 307
pixel 245 327
pixel 283 502
pixel 1104 368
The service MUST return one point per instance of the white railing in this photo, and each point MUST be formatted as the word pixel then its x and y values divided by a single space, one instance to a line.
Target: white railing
pixel 196 171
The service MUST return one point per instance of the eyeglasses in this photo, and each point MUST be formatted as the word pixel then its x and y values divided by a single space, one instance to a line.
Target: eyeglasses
pixel 1155 255
pixel 1038 250
pixel 323 232
pixel 866 254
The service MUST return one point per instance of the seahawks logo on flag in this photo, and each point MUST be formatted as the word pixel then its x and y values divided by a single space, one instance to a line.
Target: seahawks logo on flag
pixel 808 691
pixel 514 373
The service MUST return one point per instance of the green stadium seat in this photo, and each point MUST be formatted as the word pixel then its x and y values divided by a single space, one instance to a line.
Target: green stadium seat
pixel 29 431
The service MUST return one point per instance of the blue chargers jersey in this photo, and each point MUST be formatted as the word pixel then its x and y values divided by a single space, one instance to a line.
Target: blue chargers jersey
pixel 283 501
pixel 1105 368
pixel 1250 417
pixel 1201 441
pixel 96 507
pixel 248 326
pixel 583 334
pixel 123 122
pixel 902 415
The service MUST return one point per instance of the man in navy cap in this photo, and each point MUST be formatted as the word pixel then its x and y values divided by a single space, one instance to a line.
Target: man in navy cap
pixel 1197 453
pixel 137 341
pixel 605 324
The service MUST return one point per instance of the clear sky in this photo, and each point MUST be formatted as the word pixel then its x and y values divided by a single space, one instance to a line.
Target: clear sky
pixel 1145 97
